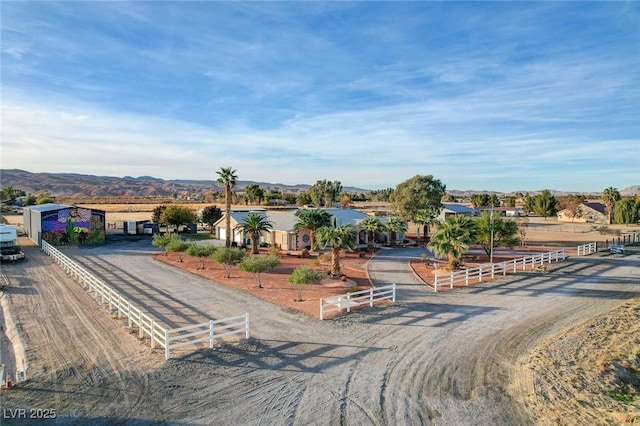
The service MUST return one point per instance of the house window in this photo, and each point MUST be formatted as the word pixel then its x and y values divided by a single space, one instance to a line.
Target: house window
pixel 305 238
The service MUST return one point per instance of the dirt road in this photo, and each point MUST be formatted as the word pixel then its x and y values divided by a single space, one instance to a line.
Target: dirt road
pixel 444 359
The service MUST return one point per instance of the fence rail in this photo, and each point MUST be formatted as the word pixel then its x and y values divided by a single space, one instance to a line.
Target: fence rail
pixel 586 249
pixel 492 269
pixel 355 299
pixel 147 325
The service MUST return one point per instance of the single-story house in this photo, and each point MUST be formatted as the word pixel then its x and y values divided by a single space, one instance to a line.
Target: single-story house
pixel 502 211
pixel 589 212
pixel 283 233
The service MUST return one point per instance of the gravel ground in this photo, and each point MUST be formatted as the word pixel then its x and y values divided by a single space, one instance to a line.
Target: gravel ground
pixel 445 359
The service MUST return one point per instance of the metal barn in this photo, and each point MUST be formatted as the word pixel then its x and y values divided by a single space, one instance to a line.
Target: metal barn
pixel 59 224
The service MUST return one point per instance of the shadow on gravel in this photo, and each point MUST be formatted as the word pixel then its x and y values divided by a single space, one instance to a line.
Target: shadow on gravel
pixel 417 314
pixel 279 355
pixel 584 277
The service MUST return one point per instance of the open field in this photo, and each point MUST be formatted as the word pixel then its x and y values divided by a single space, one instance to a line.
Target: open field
pixel 491 354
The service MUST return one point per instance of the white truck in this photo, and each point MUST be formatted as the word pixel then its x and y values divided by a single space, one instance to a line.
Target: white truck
pixel 9 243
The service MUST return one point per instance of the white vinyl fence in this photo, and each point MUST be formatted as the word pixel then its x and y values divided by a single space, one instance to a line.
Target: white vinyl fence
pixel 355 299
pixel 586 249
pixel 147 325
pixel 492 269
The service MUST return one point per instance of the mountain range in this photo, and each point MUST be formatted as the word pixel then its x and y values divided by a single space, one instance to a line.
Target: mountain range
pixel 81 185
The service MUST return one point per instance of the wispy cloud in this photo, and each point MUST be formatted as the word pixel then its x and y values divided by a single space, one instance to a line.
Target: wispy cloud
pixel 494 96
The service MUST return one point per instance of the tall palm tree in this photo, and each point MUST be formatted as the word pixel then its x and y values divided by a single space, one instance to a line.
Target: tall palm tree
pixel 312 220
pixel 253 225
pixel 425 218
pixel 609 197
pixel 338 237
pixel 395 226
pixel 453 239
pixel 371 225
pixel 227 177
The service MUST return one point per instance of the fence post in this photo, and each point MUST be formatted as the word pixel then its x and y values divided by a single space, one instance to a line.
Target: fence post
pixel 435 283
pixel 394 292
pixel 211 334
pixel 480 274
pixel 504 268
pixel 140 330
pixel 371 297
pixel 246 325
pixel 466 277
pixel 493 270
pixel 129 313
pixel 166 344
pixel 153 343
pixel 110 300
pixel 119 305
pixel 451 280
pixel 321 313
pixel 348 302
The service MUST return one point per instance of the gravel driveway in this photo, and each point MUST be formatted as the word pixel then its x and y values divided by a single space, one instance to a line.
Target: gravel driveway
pixel 431 358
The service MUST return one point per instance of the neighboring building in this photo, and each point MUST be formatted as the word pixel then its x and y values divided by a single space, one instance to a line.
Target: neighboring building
pixel 64 225
pixel 456 209
pixel 590 212
pixel 502 211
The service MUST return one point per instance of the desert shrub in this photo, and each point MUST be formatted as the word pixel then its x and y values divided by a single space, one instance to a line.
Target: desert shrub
pixel 303 275
pixel 228 257
pixel 257 264
pixel 200 250
pixel 177 246
pixel 274 251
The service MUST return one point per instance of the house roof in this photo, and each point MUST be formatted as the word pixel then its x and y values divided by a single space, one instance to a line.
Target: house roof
pixel 459 208
pixel 599 207
pixel 47 207
pixel 286 221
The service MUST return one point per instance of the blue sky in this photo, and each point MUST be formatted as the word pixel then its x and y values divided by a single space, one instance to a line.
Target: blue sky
pixel 483 95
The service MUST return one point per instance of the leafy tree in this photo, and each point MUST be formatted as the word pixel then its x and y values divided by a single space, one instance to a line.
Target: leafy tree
pixel 450 198
pixel 372 225
pixel 396 225
pixel 627 211
pixel 345 200
pixel 609 197
pixel 573 206
pixel 201 251
pixel 303 199
pixel 177 246
pixel 30 200
pixel 257 265
pixel 324 192
pixel 510 201
pixel 504 232
pixel 163 240
pixel 479 200
pixel 9 193
pixel 210 215
pixel 228 256
pixel 177 215
pixel 302 276
pixel 453 238
pixel 227 177
pixel 494 201
pixel 415 194
pixel 544 204
pixel 254 225
pixel 425 218
pixel 157 213
pixel 381 194
pixel 312 219
pixel 528 204
pixel 254 194
pixel 339 238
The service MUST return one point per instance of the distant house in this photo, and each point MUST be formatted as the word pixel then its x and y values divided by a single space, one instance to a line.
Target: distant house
pixel 456 210
pixel 502 211
pixel 283 233
pixel 589 212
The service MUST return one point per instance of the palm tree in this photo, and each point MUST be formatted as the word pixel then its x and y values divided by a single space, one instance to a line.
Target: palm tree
pixel 395 226
pixel 339 237
pixel 453 239
pixel 371 225
pixel 253 225
pixel 312 220
pixel 424 218
pixel 609 197
pixel 227 177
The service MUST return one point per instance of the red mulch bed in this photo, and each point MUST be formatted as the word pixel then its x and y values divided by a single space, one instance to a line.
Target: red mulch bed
pixel 276 289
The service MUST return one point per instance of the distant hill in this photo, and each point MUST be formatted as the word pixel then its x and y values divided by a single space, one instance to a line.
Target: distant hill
pixel 79 185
